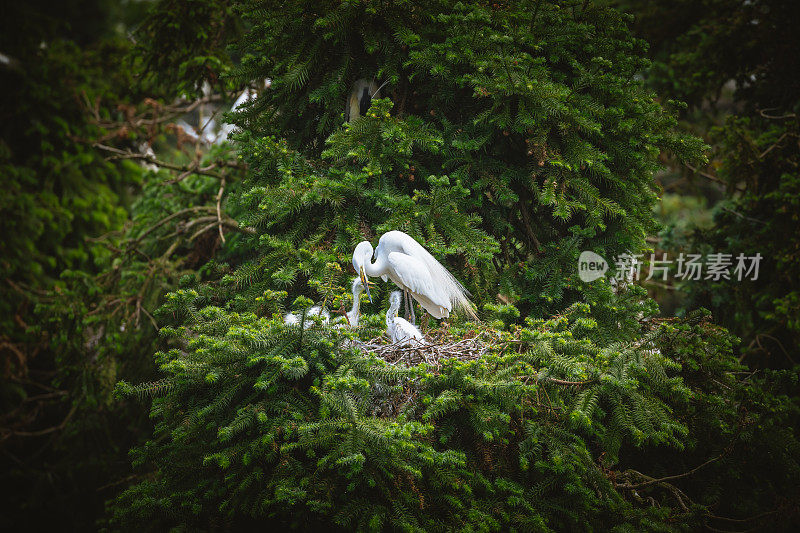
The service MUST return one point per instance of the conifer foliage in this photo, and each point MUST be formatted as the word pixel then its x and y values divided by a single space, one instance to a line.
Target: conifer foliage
pixel 259 421
pixel 537 113
pixel 512 136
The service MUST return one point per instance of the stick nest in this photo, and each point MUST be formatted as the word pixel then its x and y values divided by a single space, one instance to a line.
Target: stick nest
pixel 438 346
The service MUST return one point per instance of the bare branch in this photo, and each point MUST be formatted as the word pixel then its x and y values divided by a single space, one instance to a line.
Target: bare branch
pixel 219 211
pixel 9 432
pixel 652 481
pixel 193 168
pixel 775 117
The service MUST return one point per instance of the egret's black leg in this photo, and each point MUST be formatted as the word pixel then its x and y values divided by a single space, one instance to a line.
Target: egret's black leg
pixel 405 303
pixel 413 318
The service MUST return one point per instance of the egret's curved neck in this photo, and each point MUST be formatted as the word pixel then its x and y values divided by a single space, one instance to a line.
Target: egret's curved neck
pixel 393 307
pixel 378 268
pixel 352 316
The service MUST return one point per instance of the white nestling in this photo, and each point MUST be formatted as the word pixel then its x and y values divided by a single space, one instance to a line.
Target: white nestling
pixel 412 268
pixel 355 312
pixel 291 319
pixel 400 330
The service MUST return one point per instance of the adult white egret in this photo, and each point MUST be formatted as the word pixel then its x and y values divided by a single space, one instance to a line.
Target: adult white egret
pixel 403 260
pixel 400 330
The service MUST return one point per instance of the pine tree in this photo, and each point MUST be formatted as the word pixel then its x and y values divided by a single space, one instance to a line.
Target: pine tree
pixel 509 140
pixel 535 112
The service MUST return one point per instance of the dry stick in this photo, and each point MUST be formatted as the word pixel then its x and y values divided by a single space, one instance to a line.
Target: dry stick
pixel 170 250
pixel 118 482
pixel 101 308
pixel 183 175
pixel 194 168
pixel 152 320
pixel 768 150
pixel 562 382
pixel 210 118
pixel 715 530
pixel 140 296
pixel 31 383
pixel 780 344
pixel 219 212
pixel 172 111
pixel 748 519
pixel 709 176
pixel 731 211
pixel 46 396
pixel 41 432
pixel 40 398
pixel 203 230
pixel 775 117
pixel 652 481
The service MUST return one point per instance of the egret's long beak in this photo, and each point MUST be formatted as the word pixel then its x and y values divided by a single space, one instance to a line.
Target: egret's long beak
pixel 365 282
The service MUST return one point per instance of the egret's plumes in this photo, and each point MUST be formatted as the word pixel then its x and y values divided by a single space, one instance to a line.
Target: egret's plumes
pixel 397 241
pixel 412 268
pixel 400 330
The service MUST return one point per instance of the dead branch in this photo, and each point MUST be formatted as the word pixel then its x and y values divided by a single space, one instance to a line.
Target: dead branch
pixel 775 117
pixel 219 211
pixel 652 481
pixel 7 432
pixel 193 168
pixel 775 144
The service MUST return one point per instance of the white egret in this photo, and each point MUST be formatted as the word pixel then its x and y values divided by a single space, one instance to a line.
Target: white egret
pixel 355 312
pixel 360 99
pixel 291 319
pixel 147 150
pixel 189 130
pixel 248 94
pixel 400 330
pixel 412 268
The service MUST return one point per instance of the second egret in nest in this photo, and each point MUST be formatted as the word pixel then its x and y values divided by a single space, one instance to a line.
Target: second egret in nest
pixel 400 330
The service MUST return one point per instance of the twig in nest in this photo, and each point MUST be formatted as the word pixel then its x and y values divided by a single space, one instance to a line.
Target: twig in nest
pixel 432 352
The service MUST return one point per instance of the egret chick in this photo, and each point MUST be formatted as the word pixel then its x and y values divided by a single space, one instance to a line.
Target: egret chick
pixel 400 330
pixel 354 313
pixel 291 319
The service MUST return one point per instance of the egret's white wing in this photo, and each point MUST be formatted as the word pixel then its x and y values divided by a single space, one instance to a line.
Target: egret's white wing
pixel 188 129
pixel 416 276
pixel 457 295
